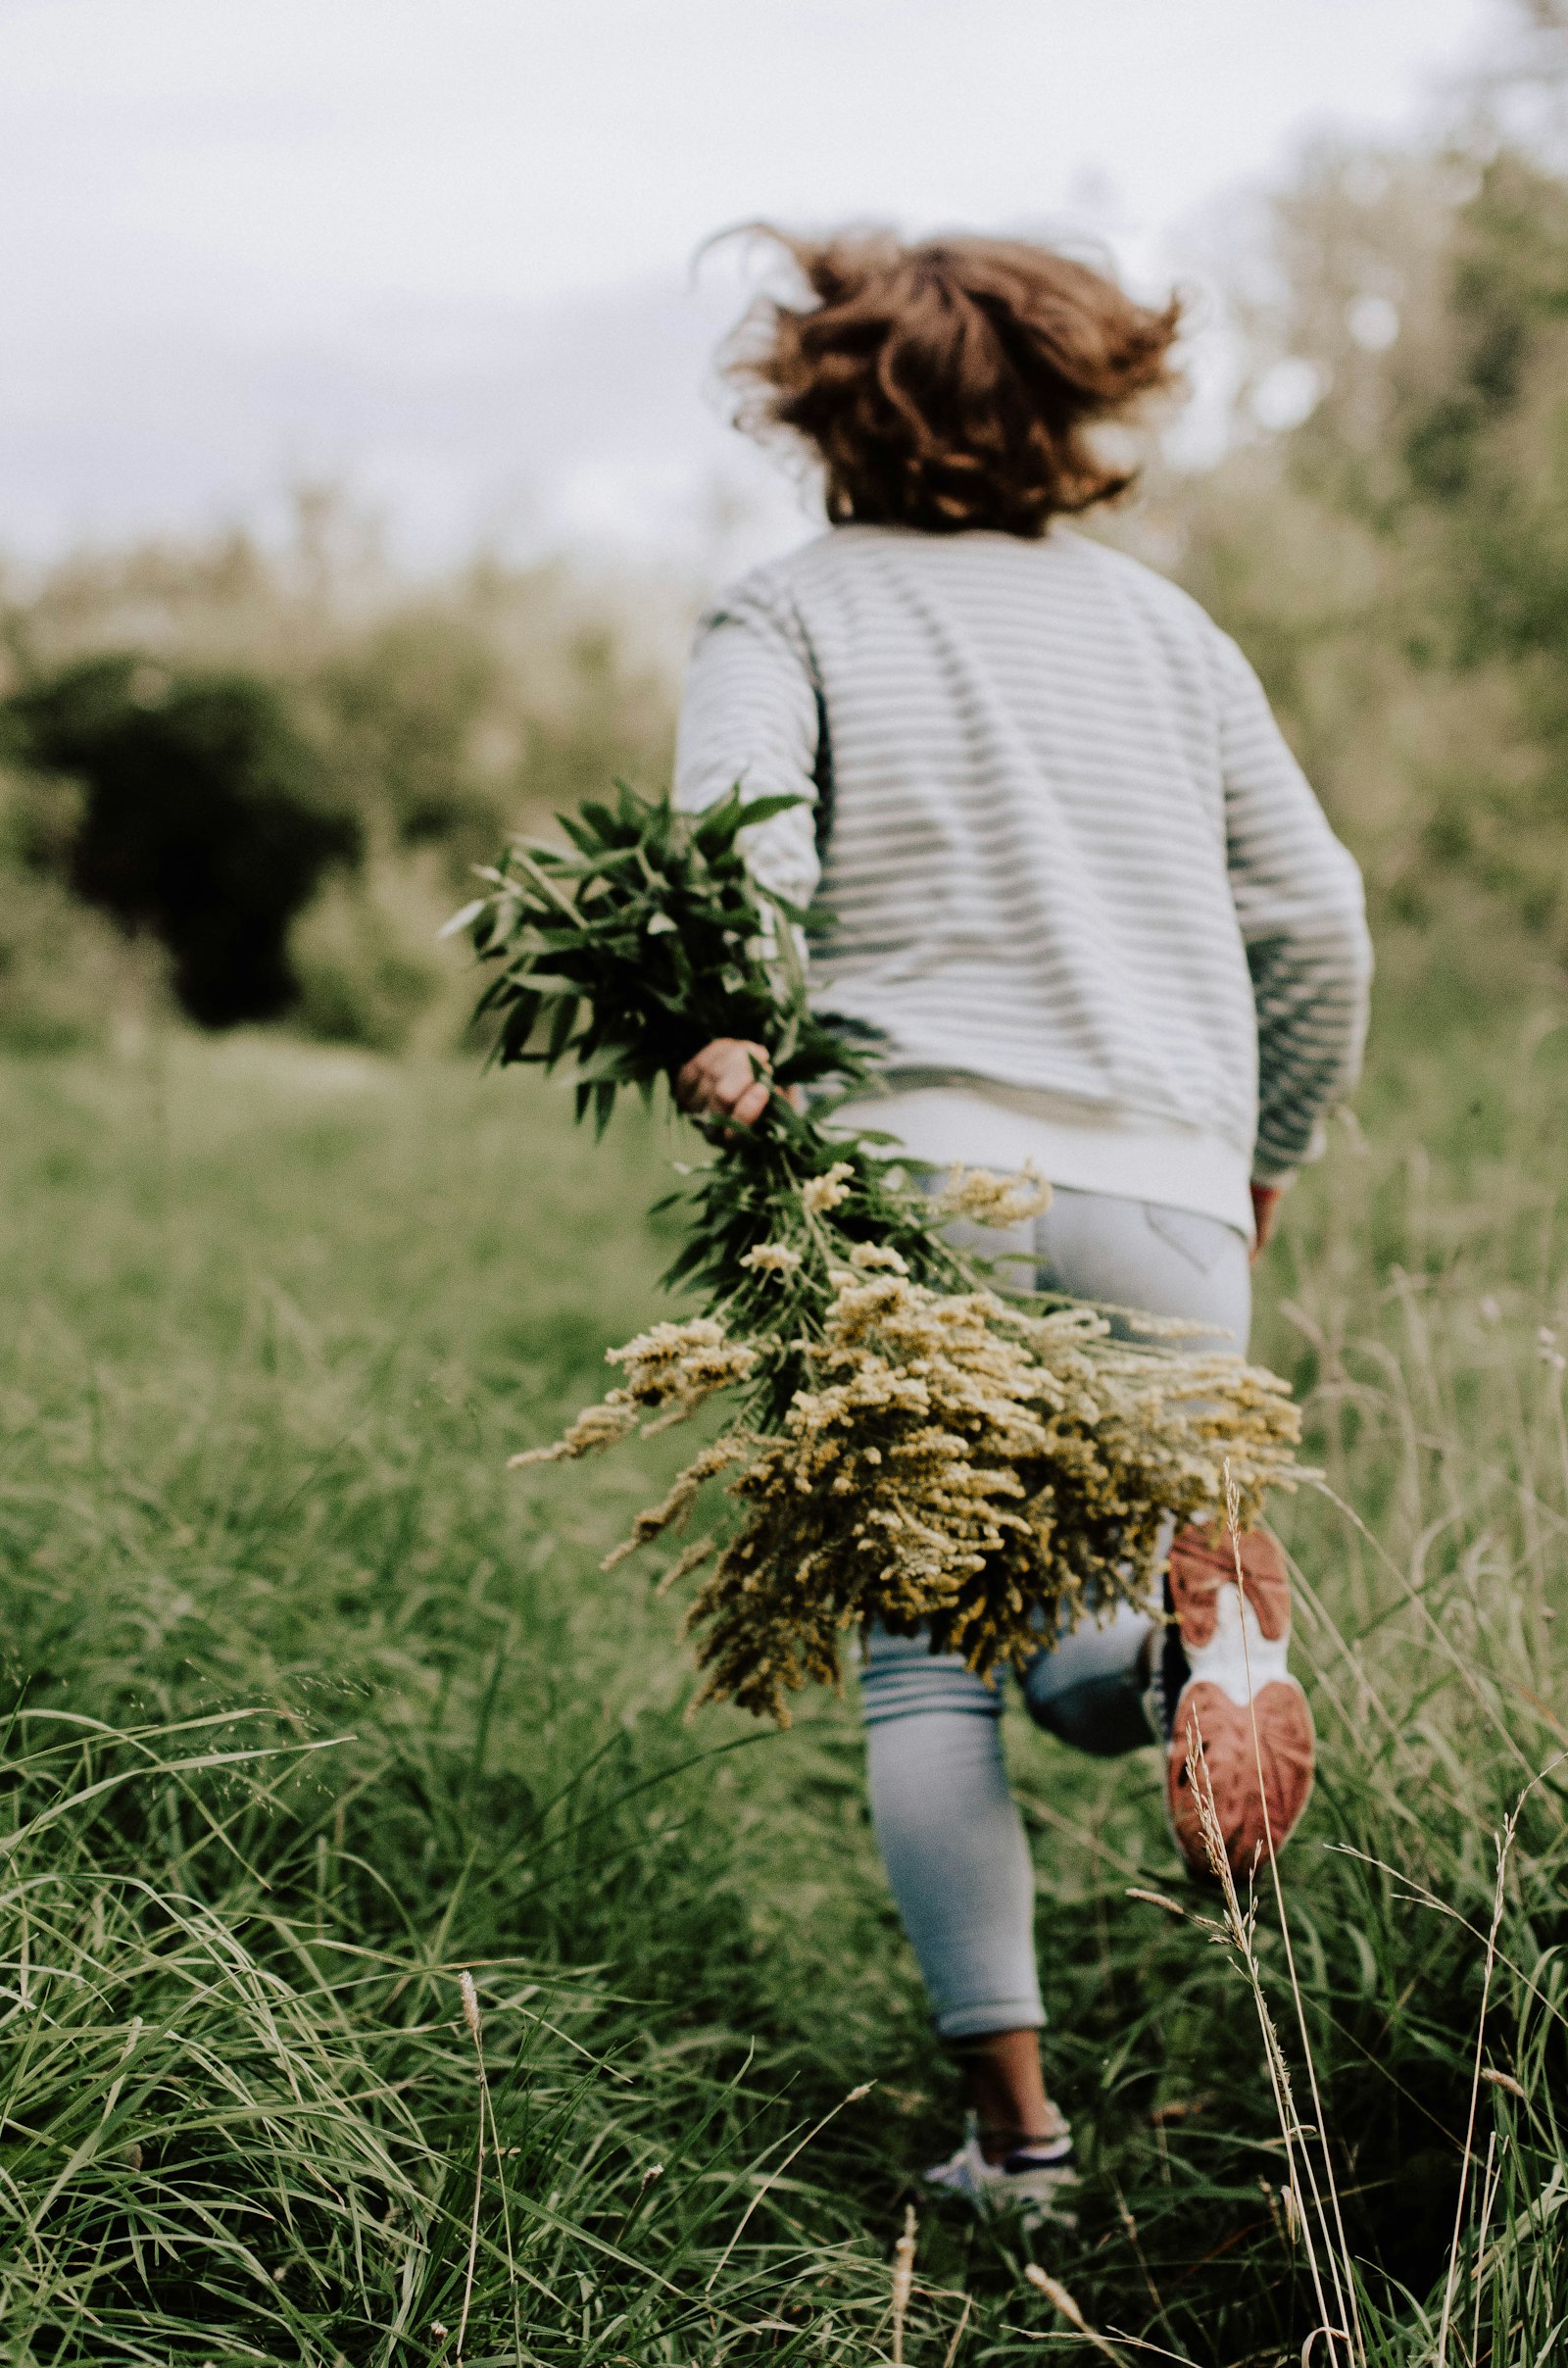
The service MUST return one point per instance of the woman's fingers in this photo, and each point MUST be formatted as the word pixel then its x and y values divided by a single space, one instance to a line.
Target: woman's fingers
pixel 722 1081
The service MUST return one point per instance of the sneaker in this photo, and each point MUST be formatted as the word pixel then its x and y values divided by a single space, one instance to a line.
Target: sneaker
pixel 1028 2184
pixel 1223 1675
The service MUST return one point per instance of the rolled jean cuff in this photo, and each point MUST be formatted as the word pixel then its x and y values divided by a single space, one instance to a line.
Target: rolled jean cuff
pixel 996 2014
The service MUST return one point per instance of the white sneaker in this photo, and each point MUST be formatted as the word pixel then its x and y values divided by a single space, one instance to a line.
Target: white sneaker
pixel 1030 2182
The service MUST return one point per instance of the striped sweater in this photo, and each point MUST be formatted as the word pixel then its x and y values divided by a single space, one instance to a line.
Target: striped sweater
pixel 1071 875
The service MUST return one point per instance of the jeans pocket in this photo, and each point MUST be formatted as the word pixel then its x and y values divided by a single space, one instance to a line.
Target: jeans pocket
pixel 1202 1241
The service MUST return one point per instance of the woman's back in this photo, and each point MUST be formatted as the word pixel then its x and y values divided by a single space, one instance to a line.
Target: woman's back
pixel 1052 818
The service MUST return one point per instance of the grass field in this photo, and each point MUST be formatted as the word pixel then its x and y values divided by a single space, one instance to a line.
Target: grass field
pixel 317 1705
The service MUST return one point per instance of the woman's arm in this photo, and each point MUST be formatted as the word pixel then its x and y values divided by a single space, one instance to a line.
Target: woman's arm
pixel 1299 903
pixel 750 715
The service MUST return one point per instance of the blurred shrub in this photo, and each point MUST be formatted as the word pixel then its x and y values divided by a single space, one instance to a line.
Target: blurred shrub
pixel 40 817
pixel 454 719
pixel 406 717
pixel 292 780
pixel 1396 564
pixel 66 972
pixel 602 726
pixel 205 818
pixel 369 963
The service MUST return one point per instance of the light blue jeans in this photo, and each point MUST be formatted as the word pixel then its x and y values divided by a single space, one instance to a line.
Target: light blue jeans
pixel 946 1822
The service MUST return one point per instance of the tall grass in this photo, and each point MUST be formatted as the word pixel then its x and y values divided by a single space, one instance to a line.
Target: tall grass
pixel 316 1707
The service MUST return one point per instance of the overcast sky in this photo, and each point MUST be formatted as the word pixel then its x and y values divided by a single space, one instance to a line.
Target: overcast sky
pixel 439 248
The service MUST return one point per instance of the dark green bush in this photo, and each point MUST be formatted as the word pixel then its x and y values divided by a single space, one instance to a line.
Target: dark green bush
pixel 404 731
pixel 206 820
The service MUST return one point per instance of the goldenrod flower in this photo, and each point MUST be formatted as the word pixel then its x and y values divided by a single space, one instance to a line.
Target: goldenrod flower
pixel 773 1258
pixel 820 1194
pixel 956 1464
pixel 989 1200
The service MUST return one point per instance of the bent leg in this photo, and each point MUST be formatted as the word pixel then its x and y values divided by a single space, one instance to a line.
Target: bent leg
pixel 1088 1688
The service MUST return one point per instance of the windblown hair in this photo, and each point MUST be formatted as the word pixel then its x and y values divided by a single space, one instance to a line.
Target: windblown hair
pixel 949 384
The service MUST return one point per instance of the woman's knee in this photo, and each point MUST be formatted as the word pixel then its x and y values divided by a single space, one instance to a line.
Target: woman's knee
pixel 1088 1689
pixel 1103 1716
pixel 900 1677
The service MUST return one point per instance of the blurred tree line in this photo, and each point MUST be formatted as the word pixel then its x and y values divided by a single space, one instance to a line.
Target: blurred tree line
pixel 257 781
pixel 253 783
pixel 1395 563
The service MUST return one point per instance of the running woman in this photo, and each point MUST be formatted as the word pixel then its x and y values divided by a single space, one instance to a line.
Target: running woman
pixel 1073 880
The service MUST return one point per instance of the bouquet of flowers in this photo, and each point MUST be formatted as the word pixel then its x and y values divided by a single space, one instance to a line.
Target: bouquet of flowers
pixel 902 1442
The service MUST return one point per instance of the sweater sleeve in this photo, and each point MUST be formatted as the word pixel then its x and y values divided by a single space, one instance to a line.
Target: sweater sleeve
pixel 750 715
pixel 1299 898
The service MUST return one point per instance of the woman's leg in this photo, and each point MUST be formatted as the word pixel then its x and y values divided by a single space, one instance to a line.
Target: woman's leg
pixel 957 1863
pixel 948 1829
pixel 1222 1686
pixel 1088 1689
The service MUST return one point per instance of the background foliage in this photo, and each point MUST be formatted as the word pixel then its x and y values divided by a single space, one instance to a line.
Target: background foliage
pixel 1395 563
pixel 380 740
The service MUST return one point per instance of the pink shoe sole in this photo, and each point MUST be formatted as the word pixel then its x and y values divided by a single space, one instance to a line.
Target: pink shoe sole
pixel 1240 1701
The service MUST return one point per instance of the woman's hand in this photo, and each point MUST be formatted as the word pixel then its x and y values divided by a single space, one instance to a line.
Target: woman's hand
pixel 1265 1203
pixel 722 1081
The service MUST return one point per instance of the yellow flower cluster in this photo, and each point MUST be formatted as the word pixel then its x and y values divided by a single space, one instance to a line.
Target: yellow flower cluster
pixel 674 1508
pixel 773 1258
pixel 671 1370
pixel 820 1194
pixel 989 1200
pixel 870 1256
pixel 955 1463
pixel 969 1467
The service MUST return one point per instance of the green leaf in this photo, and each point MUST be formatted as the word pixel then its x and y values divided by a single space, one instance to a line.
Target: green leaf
pixel 579 835
pixel 463 918
pixel 763 810
pixel 561 1026
pixel 541 983
pixel 610 1062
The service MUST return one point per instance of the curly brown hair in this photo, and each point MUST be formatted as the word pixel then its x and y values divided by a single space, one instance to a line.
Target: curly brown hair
pixel 949 384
